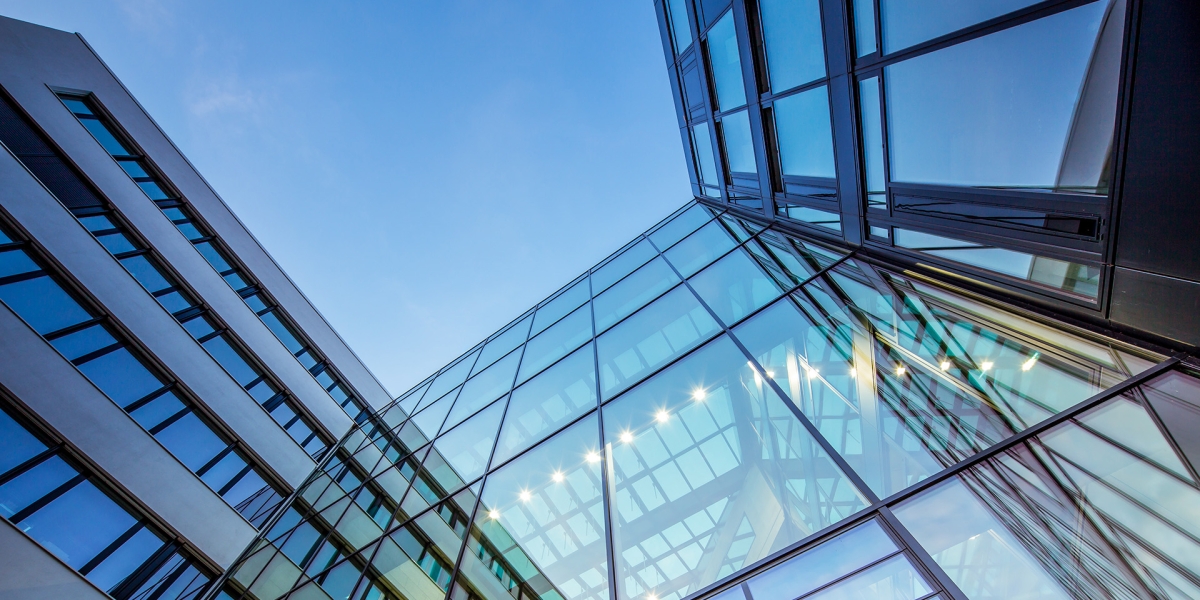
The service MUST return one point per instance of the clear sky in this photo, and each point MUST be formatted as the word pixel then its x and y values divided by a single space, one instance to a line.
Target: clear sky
pixel 424 170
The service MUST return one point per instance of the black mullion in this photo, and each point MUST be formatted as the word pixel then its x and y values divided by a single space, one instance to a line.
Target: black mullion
pixel 851 574
pixel 68 330
pixel 106 552
pixel 19 277
pixel 165 423
pixel 1193 470
pixel 29 463
pixel 610 552
pixel 773 97
pixel 90 356
pixel 49 497
pixel 237 479
pixel 214 460
pixel 921 554
pixel 863 489
pixel 148 569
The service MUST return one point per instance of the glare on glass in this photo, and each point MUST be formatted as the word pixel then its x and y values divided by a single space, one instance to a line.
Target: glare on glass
pixel 804 134
pixel 905 379
pixel 710 472
pixel 735 286
pixel 910 22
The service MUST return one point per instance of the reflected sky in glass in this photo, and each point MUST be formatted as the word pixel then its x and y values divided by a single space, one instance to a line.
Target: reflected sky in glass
pixel 804 134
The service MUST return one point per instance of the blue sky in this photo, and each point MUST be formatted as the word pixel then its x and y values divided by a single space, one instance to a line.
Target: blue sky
pixel 424 171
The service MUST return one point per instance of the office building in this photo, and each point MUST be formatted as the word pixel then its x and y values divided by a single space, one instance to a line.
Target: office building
pixel 927 329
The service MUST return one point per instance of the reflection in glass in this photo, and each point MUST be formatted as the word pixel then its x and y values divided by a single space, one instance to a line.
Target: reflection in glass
pixel 726 64
pixel 905 379
pixel 735 286
pixel 451 376
pixel 1075 278
pixel 702 148
pixel 872 142
pixel 818 566
pixel 658 333
pixel 503 344
pixel 483 388
pixel 681 30
pixel 680 226
pixel 894 579
pixel 1029 107
pixel 812 216
pixel 864 27
pixel 794 44
pixel 552 399
pixel 1101 506
pixel 696 251
pixel 462 453
pixel 633 292
pixel 910 22
pixel 804 134
pixel 622 265
pixel 554 343
pixel 539 531
pixel 710 471
pixel 739 146
pixel 560 306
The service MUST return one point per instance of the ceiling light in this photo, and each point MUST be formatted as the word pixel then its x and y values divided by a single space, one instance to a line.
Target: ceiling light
pixel 593 457
pixel 900 371
pixel 662 416
pixel 627 437
pixel 945 365
pixel 557 477
pixel 525 496
pixel 1027 365
pixel 985 366
pixel 699 394
pixel 494 514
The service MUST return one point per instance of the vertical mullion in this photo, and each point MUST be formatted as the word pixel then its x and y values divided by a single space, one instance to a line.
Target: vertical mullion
pixel 605 463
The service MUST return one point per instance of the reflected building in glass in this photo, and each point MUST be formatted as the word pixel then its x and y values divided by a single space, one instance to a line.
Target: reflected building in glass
pixel 916 335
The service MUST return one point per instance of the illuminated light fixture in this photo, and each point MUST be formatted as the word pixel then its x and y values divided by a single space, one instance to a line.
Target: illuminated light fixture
pixel 699 394
pixel 985 366
pixel 494 514
pixel 651 596
pixel 593 457
pixel 1027 365
pixel 945 365
pixel 557 477
pixel 900 370
pixel 627 437
pixel 525 496
pixel 662 416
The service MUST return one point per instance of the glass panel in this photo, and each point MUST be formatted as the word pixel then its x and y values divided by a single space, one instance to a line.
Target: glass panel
pixel 76 106
pixel 735 286
pixel 696 251
pixel 77 525
pixel 804 133
pixel 555 342
pixel 34 484
pixel 540 529
pixel 503 344
pixel 872 141
pixel 84 341
pixel 681 28
pixel 153 190
pixel 121 376
pixel 563 304
pixel 702 148
pixel 812 216
pixel 622 265
pixel 17 445
pixel 462 454
pixel 451 377
pixel 126 559
pixel 191 441
pixel 156 411
pixel 864 27
pixel 429 419
pixel 282 331
pixel 739 146
pixel 789 261
pixel 793 40
pixel 711 472
pixel 633 292
pixel 1051 128
pixel 16 262
pixel 105 137
pixel 547 402
pixel 818 566
pixel 493 382
pixel 133 168
pixel 680 226
pixel 214 256
pixel 231 360
pixel 726 64
pixel 116 243
pixel 146 272
pixel 906 379
pixel 667 328
pixel 910 22
pixel 895 579
pixel 43 304
pixel 1071 277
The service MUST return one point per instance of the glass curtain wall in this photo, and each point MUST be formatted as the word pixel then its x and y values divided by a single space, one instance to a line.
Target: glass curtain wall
pixel 720 409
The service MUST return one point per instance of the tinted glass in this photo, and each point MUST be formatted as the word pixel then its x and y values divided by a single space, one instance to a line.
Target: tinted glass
pixel 43 304
pixel 146 273
pixel 704 420
pixel 547 402
pixel 462 454
pixel 17 445
pixel 481 389
pixel 633 292
pixel 561 305
pixel 703 149
pixel 872 141
pixel 726 64
pixel 77 525
pixel 739 146
pixel 804 134
pixel 864 27
pixel 814 568
pixel 503 343
pixel 451 377
pixel 191 441
pixel 667 328
pixel 910 22
pixel 121 376
pixel 681 30
pixel 948 125
pixel 105 137
pixel 735 286
pixel 700 248
pixel 794 44
pixel 680 226
pixel 556 342
pixel 622 265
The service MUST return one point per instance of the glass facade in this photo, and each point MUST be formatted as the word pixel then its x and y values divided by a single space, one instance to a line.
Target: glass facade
pixel 724 409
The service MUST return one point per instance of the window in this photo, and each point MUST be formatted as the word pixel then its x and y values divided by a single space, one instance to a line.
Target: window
pixel 739 146
pixel 706 166
pixel 681 29
pixel 71 514
pixel 726 62
pixel 804 134
pixel 794 42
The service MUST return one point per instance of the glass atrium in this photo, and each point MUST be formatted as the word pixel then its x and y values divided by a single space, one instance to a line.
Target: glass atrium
pixel 723 409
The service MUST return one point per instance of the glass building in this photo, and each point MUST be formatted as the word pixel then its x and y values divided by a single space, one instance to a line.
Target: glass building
pixel 926 328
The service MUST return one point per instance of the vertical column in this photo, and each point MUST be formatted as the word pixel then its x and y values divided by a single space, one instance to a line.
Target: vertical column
pixel 839 54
